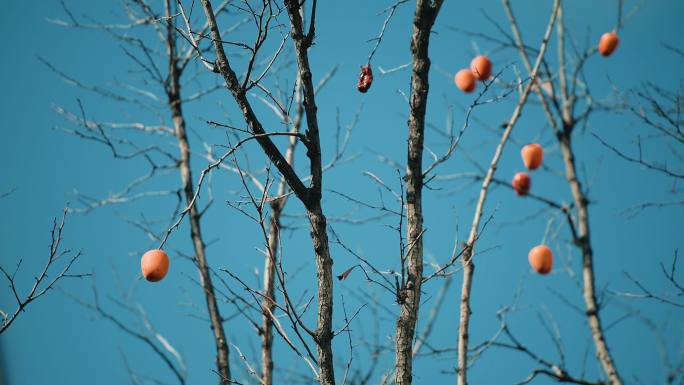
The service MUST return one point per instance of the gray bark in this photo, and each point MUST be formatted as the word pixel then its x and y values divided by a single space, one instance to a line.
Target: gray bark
pixel 467 258
pixel 310 196
pixel 409 297
pixel 582 238
pixel 317 220
pixel 174 101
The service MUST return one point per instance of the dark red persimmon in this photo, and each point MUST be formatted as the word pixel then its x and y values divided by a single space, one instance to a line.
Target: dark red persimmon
pixel 365 79
pixel 521 183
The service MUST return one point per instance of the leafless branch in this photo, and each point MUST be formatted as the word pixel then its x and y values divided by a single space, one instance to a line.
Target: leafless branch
pixel 42 282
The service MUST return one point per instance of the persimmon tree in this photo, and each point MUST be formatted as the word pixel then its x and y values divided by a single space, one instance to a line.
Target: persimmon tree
pixel 57 267
pixel 258 56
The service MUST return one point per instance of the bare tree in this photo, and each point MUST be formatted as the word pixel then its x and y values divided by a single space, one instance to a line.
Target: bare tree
pixel 409 292
pixel 144 331
pixel 177 60
pixel 468 266
pixel 658 110
pixel 310 196
pixel 268 302
pixel 175 105
pixel 270 307
pixel 562 124
pixel 44 281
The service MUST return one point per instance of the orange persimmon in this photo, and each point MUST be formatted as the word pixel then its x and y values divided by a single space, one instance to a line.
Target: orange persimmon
pixel 521 183
pixel 608 43
pixel 532 155
pixel 541 259
pixel 154 265
pixel 465 80
pixel 481 67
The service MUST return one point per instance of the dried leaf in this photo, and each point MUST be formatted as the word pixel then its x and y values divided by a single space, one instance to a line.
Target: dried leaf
pixel 346 273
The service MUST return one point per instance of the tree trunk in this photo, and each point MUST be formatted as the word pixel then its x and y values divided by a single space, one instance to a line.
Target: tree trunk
pixel 174 101
pixel 277 207
pixel 564 138
pixel 317 220
pixel 469 251
pixel 584 244
pixel 268 305
pixel 310 196
pixel 409 297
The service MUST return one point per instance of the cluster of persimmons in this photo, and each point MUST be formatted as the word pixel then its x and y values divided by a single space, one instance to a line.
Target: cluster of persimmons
pixel 481 67
pixel 155 262
pixel 540 257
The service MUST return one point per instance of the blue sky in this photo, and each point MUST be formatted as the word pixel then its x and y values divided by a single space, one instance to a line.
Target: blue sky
pixel 60 342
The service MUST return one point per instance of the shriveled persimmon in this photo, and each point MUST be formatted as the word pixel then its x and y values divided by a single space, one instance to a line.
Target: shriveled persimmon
pixel 521 183
pixel 481 67
pixel 541 259
pixel 465 80
pixel 532 155
pixel 608 43
pixel 365 79
pixel 154 265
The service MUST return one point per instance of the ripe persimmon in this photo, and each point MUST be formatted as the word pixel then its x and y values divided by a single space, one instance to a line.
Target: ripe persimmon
pixel 608 43
pixel 541 259
pixel 521 183
pixel 532 155
pixel 481 67
pixel 154 265
pixel 465 80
